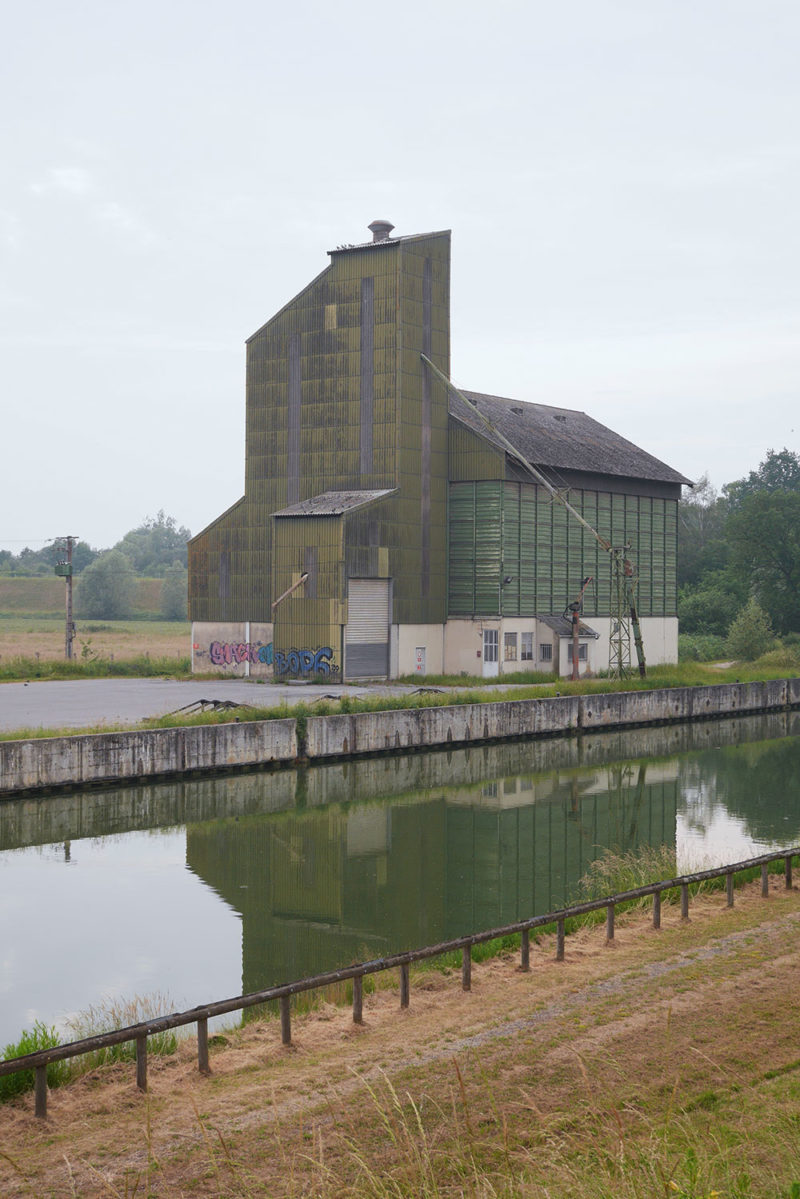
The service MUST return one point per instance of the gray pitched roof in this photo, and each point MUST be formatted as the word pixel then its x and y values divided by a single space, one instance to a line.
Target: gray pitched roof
pixel 563 626
pixel 333 503
pixel 561 438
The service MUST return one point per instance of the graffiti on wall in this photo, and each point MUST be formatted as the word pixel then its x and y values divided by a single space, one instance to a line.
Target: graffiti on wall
pixel 294 661
pixel 232 653
pixel 306 661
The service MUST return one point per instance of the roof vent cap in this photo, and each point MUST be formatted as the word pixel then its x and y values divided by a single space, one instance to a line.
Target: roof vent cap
pixel 380 230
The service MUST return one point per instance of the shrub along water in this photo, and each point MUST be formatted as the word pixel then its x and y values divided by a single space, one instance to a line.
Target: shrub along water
pixel 106 1016
pixel 41 1036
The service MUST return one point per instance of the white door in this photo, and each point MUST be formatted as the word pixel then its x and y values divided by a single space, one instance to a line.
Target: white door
pixel 491 655
pixel 366 653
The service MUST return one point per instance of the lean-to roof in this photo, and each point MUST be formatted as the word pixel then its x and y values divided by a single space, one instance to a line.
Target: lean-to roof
pixel 334 503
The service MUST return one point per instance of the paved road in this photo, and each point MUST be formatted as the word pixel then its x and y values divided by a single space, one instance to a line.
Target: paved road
pixel 81 703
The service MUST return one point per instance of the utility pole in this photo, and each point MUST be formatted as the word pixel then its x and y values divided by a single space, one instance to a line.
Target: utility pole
pixel 64 570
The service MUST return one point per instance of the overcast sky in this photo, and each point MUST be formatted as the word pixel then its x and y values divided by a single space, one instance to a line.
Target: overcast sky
pixel 621 180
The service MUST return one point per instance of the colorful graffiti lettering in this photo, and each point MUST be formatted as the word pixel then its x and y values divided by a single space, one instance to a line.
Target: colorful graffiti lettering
pixel 230 653
pixel 305 661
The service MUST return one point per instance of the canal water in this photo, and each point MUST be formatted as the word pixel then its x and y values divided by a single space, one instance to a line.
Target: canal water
pixel 207 888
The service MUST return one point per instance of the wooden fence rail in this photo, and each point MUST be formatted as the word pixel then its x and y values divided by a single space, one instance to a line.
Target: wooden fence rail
pixel 139 1033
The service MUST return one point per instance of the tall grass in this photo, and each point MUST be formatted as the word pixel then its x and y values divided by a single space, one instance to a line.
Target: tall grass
pixel 103 1017
pixel 495 1144
pixel 141 666
pixel 613 872
pixel 111 1014
pixel 41 1036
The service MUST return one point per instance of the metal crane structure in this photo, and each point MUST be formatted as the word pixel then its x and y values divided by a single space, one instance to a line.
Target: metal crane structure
pixel 624 613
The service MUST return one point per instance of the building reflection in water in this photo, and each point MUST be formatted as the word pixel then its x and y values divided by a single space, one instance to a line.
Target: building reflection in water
pixel 321 887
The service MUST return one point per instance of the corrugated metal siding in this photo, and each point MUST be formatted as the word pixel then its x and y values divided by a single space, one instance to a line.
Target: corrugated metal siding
pixel 518 529
pixel 488 546
pixel 311 618
pixel 470 457
pixel 338 375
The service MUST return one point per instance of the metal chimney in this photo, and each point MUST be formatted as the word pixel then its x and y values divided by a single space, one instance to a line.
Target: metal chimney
pixel 380 230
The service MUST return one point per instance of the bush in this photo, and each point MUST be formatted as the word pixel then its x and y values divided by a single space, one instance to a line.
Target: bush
pixel 107 588
pixel 41 1037
pixel 699 647
pixel 174 593
pixel 784 657
pixel 750 635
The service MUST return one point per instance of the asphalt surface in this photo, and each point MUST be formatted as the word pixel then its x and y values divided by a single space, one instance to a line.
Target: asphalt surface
pixel 82 703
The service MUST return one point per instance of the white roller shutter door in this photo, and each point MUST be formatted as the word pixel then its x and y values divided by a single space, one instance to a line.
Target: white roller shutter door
pixel 367 630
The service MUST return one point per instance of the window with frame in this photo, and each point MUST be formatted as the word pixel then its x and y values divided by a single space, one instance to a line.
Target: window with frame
pixel 510 647
pixel 546 652
pixel 583 653
pixel 527 647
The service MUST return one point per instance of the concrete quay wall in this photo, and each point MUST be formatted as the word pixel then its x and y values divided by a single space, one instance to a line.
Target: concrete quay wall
pixel 102 758
pixel 107 758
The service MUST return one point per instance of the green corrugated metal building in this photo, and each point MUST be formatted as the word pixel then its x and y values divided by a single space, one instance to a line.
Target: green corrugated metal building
pixel 384 528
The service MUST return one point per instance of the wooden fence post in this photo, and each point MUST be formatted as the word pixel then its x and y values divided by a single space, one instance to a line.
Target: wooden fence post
pixel 684 901
pixel 560 931
pixel 141 1063
pixel 40 1108
pixel 525 951
pixel 729 888
pixel 788 872
pixel 466 968
pixel 610 922
pixel 405 985
pixel 202 1046
pixel 656 909
pixel 286 1021
pixel 358 999
pixel 764 881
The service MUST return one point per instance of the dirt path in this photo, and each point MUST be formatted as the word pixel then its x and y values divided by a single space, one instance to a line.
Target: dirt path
pixel 691 1018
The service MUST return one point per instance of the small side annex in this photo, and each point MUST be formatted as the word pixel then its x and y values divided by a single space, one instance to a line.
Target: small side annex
pixel 385 530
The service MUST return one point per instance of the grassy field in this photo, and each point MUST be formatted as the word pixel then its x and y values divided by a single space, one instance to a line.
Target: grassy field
pixel 29 636
pixel 32 620
pixel 45 596
pixel 665 1065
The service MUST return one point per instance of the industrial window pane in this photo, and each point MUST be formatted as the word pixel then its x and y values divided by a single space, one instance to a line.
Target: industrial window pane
pixel 527 647
pixel 491 639
pixel 546 652
pixel 582 654
pixel 510 646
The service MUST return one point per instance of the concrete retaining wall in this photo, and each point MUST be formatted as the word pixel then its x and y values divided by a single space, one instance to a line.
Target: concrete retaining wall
pixel 115 757
pixel 106 758
pixel 459 724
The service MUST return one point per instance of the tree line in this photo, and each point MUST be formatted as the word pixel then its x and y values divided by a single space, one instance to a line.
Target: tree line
pixel 106 579
pixel 739 562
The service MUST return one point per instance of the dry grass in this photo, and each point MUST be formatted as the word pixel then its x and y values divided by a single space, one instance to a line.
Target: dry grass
pixel 28 636
pixel 664 1065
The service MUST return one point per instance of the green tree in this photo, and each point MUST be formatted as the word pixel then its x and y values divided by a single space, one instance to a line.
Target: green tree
pixel 82 556
pixel 174 593
pixel 764 535
pixel 780 471
pixel 107 588
pixel 701 533
pixel 709 606
pixel 750 635
pixel 155 545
